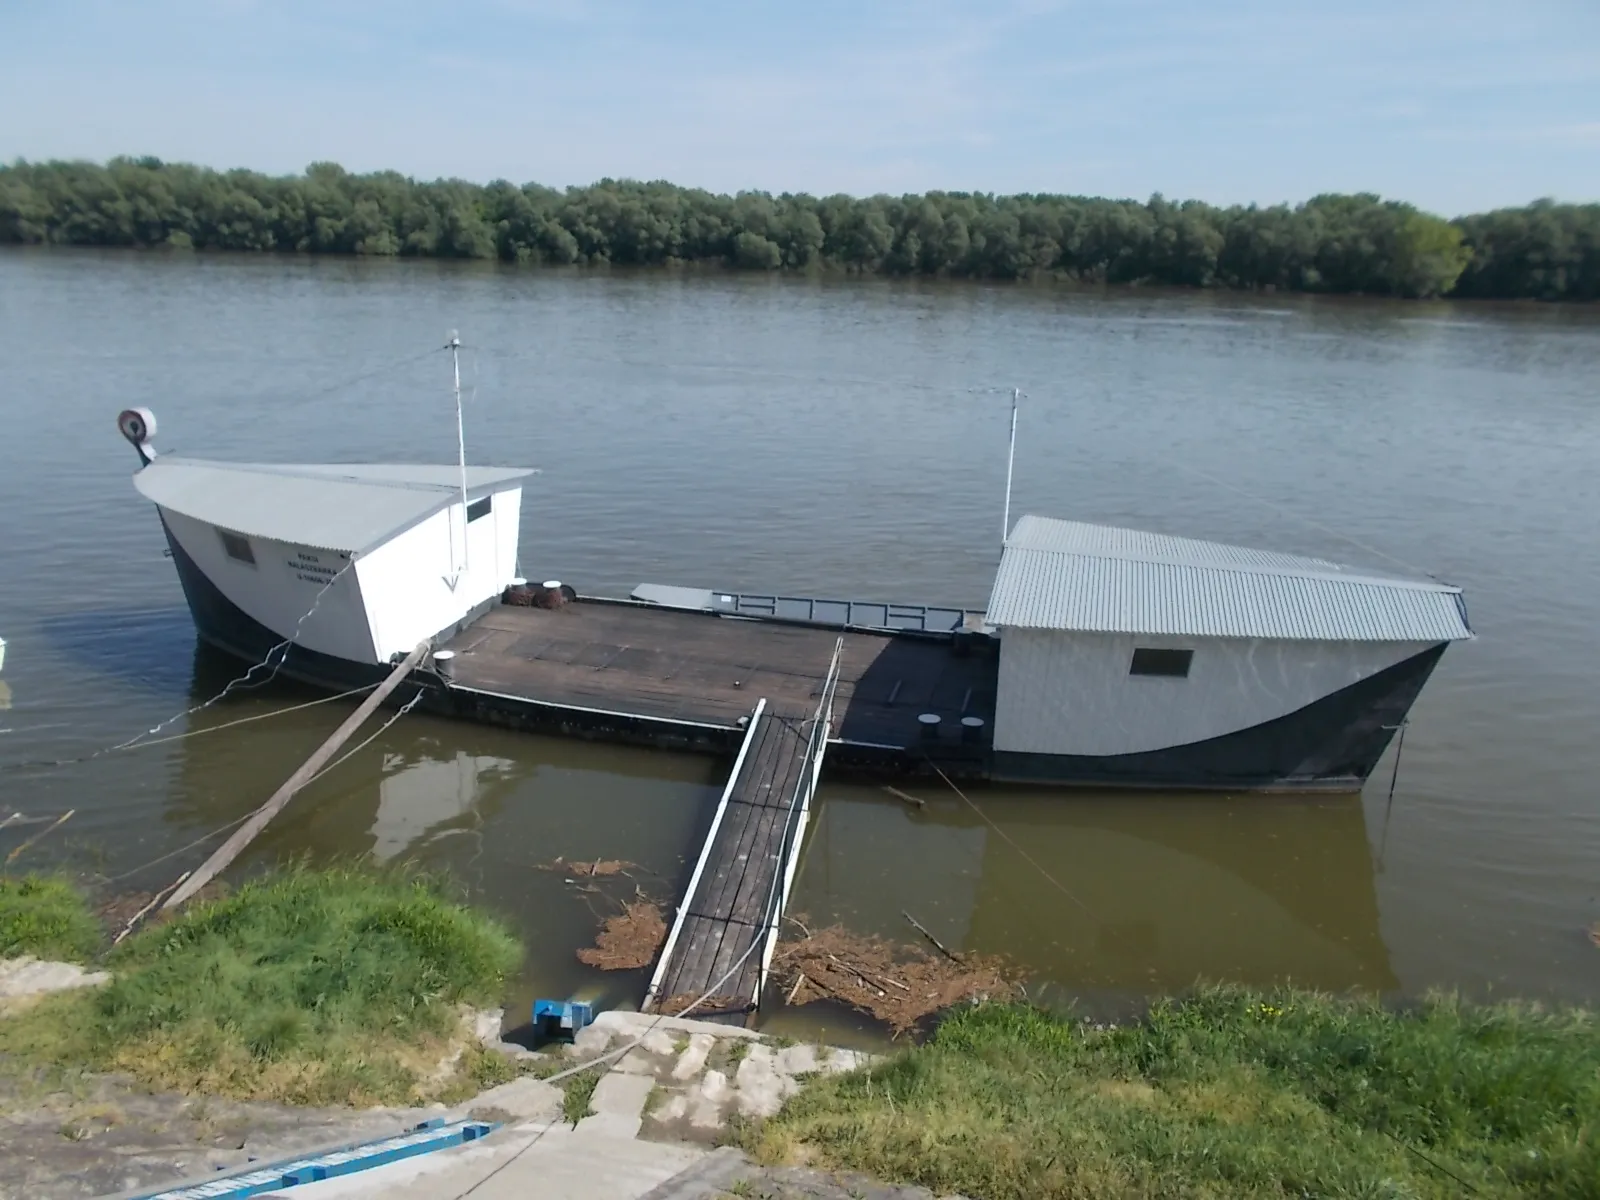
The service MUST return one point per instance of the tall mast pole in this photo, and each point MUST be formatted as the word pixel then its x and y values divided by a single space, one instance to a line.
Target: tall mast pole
pixel 1011 459
pixel 461 441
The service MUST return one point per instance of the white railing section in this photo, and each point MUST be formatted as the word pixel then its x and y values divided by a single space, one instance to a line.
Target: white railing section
pixel 800 813
pixel 652 995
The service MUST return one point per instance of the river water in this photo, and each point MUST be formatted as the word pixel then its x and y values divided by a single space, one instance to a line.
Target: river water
pixel 839 438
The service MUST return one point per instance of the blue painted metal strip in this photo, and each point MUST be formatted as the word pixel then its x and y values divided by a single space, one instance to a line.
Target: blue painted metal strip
pixel 429 1136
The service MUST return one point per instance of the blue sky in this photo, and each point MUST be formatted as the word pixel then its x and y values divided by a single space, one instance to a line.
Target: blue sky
pixel 1456 106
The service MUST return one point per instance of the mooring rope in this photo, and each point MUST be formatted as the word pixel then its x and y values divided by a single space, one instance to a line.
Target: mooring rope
pixel 1388 808
pixel 1009 840
pixel 612 1055
pixel 242 681
pixel 369 739
pixel 277 712
pixel 171 854
pixel 240 820
pixel 350 381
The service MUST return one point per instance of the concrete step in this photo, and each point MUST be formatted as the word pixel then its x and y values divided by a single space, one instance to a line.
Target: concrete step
pixel 552 1162
pixel 618 1104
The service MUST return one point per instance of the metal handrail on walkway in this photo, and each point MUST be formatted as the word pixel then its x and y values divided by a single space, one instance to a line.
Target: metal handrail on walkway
pixel 652 994
pixel 800 813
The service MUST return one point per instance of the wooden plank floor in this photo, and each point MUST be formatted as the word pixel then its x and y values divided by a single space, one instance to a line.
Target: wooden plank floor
pixel 687 666
pixel 730 908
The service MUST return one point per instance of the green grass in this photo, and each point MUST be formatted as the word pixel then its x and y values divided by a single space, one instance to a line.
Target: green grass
pixel 309 986
pixel 576 1092
pixel 1225 1093
pixel 47 917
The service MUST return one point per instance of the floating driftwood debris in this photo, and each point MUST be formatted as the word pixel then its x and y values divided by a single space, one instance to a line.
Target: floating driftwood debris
pixel 937 944
pixel 144 910
pixel 600 866
pixel 120 913
pixel 896 984
pixel 906 796
pixel 628 940
pixel 59 821
pixel 675 1006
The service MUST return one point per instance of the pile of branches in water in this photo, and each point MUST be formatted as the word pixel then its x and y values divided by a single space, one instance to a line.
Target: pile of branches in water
pixel 897 984
pixel 687 1005
pixel 599 867
pixel 628 941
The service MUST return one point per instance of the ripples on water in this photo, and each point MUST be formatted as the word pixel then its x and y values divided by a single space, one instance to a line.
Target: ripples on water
pixel 843 438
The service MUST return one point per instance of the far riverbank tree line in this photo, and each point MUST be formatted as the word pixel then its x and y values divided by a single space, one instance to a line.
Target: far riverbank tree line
pixel 1332 243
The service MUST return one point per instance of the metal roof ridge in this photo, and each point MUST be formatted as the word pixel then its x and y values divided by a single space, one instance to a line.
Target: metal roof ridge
pixel 307 471
pixel 1280 572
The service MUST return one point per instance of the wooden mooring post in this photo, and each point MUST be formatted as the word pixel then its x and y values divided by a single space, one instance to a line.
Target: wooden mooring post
pixel 245 834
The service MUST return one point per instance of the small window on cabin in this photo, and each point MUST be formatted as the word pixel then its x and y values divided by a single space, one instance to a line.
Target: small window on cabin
pixel 238 548
pixel 1172 664
pixel 479 508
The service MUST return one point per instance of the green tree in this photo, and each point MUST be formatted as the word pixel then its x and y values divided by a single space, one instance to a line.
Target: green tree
pixel 1331 243
pixel 801 237
pixel 1428 256
pixel 755 253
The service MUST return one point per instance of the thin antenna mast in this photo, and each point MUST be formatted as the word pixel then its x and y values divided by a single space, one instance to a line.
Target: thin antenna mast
pixel 461 440
pixel 1011 459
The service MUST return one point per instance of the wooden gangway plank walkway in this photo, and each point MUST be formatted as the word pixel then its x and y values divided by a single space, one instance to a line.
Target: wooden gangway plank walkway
pixel 723 936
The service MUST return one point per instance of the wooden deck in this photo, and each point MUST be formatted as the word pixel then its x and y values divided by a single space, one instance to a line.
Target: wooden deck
pixel 766 688
pixel 736 900
pixel 667 665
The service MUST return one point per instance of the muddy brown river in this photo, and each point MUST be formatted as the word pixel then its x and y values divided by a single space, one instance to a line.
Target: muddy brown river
pixel 837 438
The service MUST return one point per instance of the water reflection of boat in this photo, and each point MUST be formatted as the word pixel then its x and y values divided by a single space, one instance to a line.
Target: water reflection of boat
pixel 423 796
pixel 417 781
pixel 390 806
pixel 1163 891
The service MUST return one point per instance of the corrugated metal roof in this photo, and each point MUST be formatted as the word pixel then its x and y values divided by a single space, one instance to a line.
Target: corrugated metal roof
pixel 1096 578
pixel 332 506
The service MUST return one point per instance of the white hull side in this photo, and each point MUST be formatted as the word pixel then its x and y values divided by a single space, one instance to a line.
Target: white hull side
pixel 411 584
pixel 1071 693
pixel 282 586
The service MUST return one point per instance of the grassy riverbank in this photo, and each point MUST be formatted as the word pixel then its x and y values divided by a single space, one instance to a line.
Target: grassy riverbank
pixel 1227 1093
pixel 308 986
pixel 346 986
pixel 45 916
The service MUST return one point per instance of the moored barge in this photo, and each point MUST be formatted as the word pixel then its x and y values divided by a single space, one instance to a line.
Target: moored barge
pixel 1105 656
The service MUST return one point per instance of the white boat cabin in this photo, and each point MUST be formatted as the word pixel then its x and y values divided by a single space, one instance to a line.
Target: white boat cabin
pixel 355 561
pixel 1132 657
